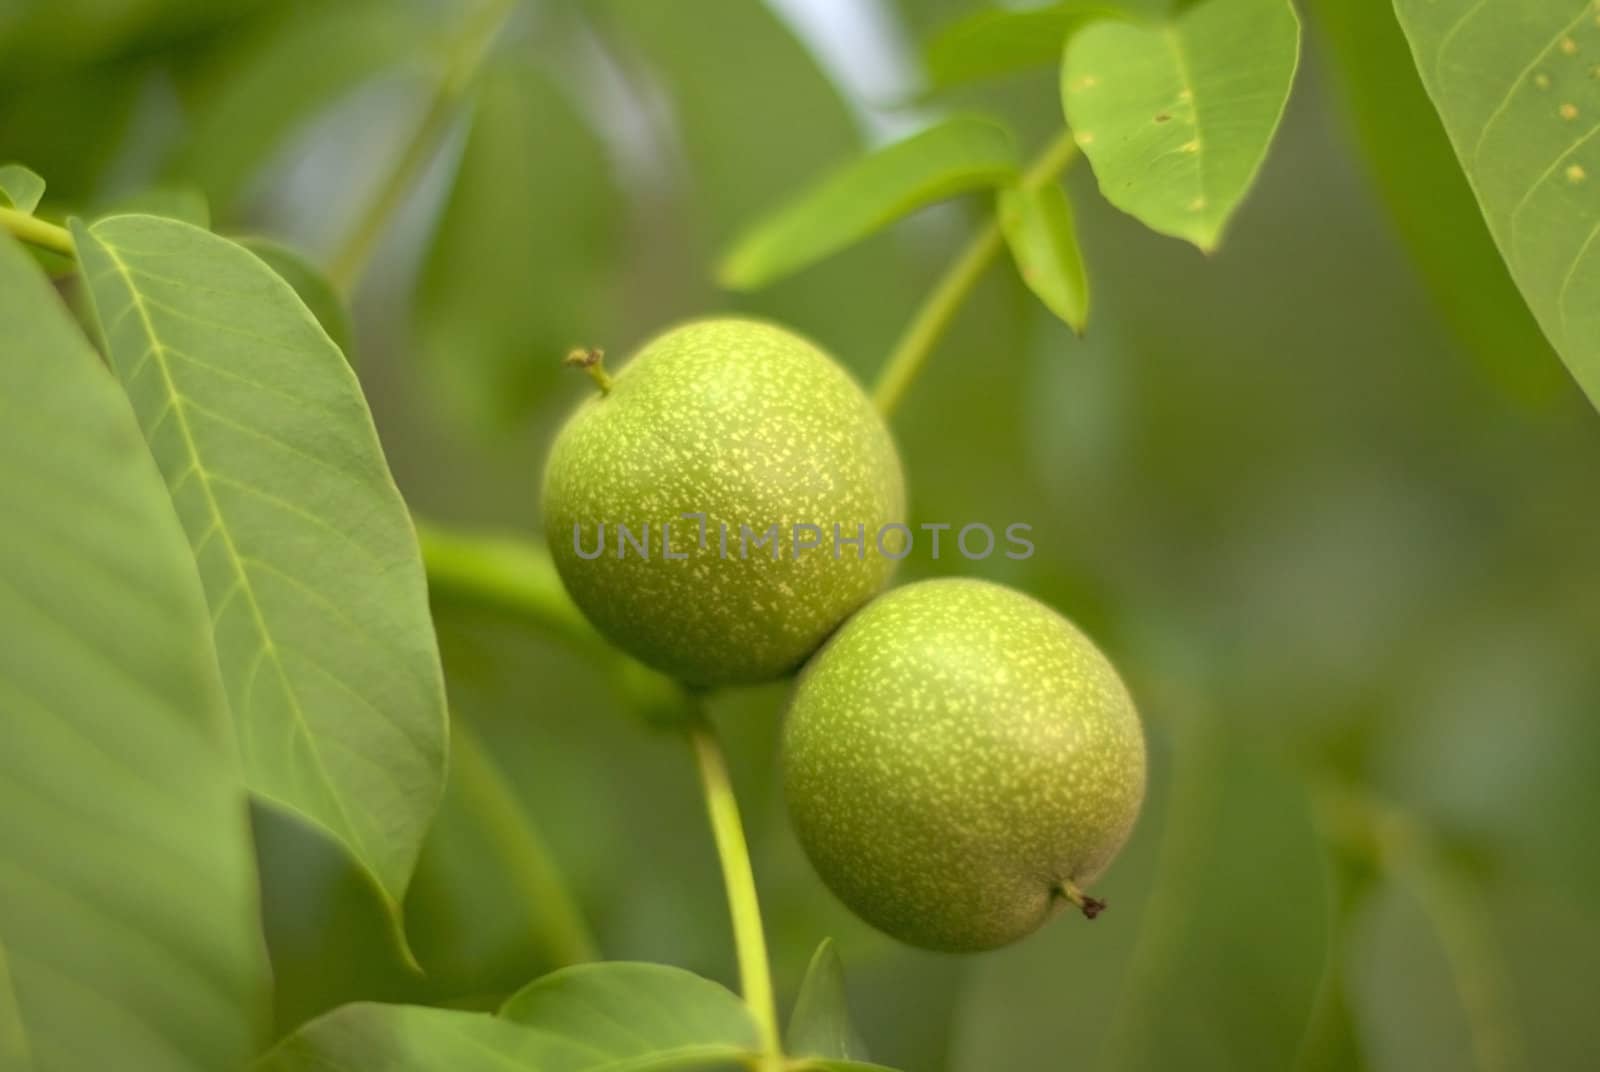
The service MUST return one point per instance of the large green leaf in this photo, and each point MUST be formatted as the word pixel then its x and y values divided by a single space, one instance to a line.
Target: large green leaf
pixel 634 1012
pixel 410 1038
pixel 128 931
pixel 955 156
pixel 1037 224
pixel 1516 86
pixel 996 41
pixel 1176 116
pixel 1429 200
pixel 820 1024
pixel 20 188
pixel 307 553
pixel 311 285
pixel 519 265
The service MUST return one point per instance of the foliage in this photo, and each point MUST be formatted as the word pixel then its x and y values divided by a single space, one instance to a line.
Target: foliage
pixel 1352 586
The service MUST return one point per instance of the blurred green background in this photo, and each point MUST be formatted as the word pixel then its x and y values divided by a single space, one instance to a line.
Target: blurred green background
pixel 1326 498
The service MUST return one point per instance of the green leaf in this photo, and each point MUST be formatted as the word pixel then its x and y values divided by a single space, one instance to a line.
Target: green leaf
pixel 128 929
pixel 520 265
pixel 410 1038
pixel 20 188
pixel 307 553
pixel 1518 90
pixel 820 1024
pixel 955 156
pixel 1430 202
pixel 637 1013
pixel 997 41
pixel 1037 223
pixel 310 284
pixel 1176 116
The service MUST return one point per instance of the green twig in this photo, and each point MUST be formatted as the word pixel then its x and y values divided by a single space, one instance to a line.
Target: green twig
pixel 755 974
pixel 36 232
pixel 350 259
pixel 516 577
pixel 933 318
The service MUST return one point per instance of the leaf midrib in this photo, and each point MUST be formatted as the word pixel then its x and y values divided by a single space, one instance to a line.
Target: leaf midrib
pixel 242 576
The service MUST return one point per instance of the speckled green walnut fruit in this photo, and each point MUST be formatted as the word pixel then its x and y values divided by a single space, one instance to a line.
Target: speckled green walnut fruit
pixel 776 447
pixel 960 762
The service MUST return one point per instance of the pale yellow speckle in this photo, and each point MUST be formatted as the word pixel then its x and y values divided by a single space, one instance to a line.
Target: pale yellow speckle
pixel 1088 81
pixel 1575 173
pixel 1085 138
pixel 1186 95
pixel 1569 111
pixel 1197 204
pixel 1541 80
pixel 1192 146
pixel 1569 46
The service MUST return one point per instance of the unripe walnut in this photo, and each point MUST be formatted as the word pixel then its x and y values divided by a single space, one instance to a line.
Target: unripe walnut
pixel 754 429
pixel 960 762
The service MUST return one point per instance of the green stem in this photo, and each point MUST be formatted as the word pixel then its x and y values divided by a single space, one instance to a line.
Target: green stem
pixel 755 974
pixel 557 923
pixel 933 318
pixel 36 232
pixel 350 259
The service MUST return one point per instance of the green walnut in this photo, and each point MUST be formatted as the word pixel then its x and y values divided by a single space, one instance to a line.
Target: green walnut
pixel 960 762
pixel 719 507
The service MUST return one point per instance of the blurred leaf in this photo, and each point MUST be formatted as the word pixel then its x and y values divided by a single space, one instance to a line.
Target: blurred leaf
pixel 409 1038
pixel 997 41
pixel 20 188
pixel 1037 223
pixel 487 908
pixel 309 561
pixel 1212 950
pixel 820 1024
pixel 705 55
pixel 1176 116
pixel 311 285
pixel 128 934
pixel 36 37
pixel 634 1012
pixel 1241 898
pixel 1429 200
pixel 520 263
pixel 183 203
pixel 954 156
pixel 260 92
pixel 72 126
pixel 1516 87
pixel 329 929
